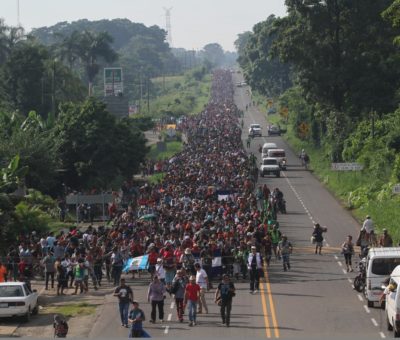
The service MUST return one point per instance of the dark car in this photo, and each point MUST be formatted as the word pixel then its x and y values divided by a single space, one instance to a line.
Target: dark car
pixel 274 130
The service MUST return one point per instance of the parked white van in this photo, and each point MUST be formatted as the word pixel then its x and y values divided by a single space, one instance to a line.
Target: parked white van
pixel 265 148
pixel 380 264
pixel 280 155
pixel 392 309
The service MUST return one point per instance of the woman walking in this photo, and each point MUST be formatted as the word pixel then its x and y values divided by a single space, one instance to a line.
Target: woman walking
pixel 348 252
pixel 156 296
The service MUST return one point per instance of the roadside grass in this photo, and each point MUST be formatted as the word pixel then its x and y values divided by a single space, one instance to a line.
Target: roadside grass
pixel 173 148
pixel 385 213
pixel 180 96
pixel 71 310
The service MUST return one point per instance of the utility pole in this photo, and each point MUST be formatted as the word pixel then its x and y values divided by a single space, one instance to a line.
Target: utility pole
pixel 53 90
pixel 18 15
pixel 148 96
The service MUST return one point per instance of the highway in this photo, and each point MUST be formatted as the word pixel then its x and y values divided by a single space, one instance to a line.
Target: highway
pixel 315 299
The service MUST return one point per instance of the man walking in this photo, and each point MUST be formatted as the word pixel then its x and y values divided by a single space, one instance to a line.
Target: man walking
pixel 192 294
pixel 202 281
pixel 254 265
pixel 225 292
pixel 49 268
pixel 178 289
pixel 125 295
pixel 285 249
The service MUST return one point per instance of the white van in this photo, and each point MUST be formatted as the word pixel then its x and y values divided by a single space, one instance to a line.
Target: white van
pixel 380 264
pixel 265 148
pixel 392 306
pixel 280 155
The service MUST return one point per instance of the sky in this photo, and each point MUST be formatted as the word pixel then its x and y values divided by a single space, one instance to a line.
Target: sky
pixel 194 23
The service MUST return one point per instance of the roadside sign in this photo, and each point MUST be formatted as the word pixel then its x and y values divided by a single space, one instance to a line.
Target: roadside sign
pixel 346 167
pixel 396 189
pixel 113 84
pixel 284 112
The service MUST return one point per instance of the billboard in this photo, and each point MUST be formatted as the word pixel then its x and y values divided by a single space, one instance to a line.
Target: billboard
pixel 113 81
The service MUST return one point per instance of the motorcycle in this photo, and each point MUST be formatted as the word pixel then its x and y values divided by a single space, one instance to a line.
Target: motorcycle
pixel 360 279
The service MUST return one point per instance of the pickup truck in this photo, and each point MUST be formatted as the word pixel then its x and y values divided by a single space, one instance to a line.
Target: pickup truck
pixel 270 166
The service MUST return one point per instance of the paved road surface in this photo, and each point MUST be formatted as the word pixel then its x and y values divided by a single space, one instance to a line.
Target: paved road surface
pixel 313 300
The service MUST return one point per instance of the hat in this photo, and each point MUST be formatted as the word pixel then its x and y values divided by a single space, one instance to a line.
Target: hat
pixel 159 260
pixel 368 216
pixel 188 251
pixel 253 247
pixel 192 278
pixel 134 302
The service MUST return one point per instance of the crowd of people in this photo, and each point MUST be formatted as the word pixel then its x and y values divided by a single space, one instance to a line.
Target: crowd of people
pixel 204 209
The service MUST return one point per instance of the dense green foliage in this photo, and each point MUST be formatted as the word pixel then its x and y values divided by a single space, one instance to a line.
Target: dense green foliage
pixel 344 63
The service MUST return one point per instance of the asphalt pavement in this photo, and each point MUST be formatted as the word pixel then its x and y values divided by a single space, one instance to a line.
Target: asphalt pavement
pixel 315 299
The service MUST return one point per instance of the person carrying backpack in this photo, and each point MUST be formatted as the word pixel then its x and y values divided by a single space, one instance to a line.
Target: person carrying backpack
pixel 60 327
pixel 223 297
pixel 178 289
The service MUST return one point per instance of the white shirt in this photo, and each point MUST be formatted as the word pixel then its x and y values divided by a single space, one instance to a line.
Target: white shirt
pixel 368 226
pixel 201 278
pixel 160 271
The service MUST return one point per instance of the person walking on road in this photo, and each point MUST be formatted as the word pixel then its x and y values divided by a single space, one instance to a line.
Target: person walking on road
pixel 285 249
pixel 348 252
pixel 178 289
pixel 136 318
pixel 125 296
pixel 368 228
pixel 254 265
pixel 49 268
pixel 202 281
pixel 385 240
pixel 192 295
pixel 223 296
pixel 156 296
pixel 318 237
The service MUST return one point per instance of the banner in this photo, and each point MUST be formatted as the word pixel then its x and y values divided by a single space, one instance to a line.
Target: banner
pixel 136 263
pixel 217 262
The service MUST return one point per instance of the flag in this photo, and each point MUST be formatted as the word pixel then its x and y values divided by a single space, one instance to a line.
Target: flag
pixel 136 263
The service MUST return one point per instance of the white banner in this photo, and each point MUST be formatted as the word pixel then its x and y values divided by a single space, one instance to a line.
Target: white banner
pixel 346 167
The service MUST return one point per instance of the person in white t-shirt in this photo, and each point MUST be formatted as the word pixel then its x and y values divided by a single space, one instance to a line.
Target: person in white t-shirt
pixel 160 271
pixel 202 281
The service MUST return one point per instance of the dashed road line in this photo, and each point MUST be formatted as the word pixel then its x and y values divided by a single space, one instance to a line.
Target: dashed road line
pixel 344 271
pixel 166 329
pixel 350 281
pixel 367 309
pixel 172 304
pixel 374 322
pixel 336 257
pixel 169 317
pixel 339 263
pixel 383 336
pixel 360 297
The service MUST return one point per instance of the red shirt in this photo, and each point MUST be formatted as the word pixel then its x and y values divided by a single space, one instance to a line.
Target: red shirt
pixel 153 256
pixel 192 291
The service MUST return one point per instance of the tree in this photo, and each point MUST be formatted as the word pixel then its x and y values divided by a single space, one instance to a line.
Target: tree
pixel 23 72
pixel 214 54
pixel 262 71
pixel 392 14
pixel 92 49
pixel 95 148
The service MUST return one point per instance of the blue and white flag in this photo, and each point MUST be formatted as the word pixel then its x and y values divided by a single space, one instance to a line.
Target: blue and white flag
pixel 136 263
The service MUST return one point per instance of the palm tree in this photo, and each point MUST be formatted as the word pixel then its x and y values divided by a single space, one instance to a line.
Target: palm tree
pixel 9 37
pixel 68 48
pixel 94 47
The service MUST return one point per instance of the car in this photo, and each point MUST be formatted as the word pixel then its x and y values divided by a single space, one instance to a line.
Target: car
pixel 280 155
pixel 17 299
pixel 274 130
pixel 270 166
pixel 266 147
pixel 255 130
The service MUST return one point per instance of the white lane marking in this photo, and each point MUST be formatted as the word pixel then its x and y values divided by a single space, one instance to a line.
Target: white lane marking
pixel 350 281
pixel 360 297
pixel 327 244
pixel 336 257
pixel 352 286
pixel 169 317
pixel 172 304
pixel 374 322
pixel 166 329
pixel 367 309
pixel 383 336
pixel 339 263
pixel 344 271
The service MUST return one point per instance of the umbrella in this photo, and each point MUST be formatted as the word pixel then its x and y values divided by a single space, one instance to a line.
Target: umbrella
pixel 148 217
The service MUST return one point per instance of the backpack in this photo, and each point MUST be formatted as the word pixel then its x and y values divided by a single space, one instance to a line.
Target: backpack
pixel 175 287
pixel 61 328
